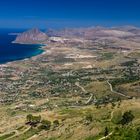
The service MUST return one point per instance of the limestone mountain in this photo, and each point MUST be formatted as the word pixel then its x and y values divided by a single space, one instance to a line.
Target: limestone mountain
pixel 31 36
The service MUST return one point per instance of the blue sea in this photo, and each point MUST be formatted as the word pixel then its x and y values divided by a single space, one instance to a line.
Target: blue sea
pixel 11 52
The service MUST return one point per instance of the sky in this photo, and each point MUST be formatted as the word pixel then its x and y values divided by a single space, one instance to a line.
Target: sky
pixel 68 13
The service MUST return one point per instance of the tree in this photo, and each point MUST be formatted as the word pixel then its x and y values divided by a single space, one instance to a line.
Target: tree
pixel 45 124
pixel 127 118
pixel 36 119
pixel 29 117
pixel 33 120
pixel 106 131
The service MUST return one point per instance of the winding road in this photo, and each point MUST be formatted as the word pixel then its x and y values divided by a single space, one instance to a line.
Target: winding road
pixel 106 136
pixel 82 88
pixel 121 94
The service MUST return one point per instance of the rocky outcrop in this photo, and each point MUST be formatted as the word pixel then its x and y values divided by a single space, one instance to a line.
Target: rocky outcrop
pixel 32 36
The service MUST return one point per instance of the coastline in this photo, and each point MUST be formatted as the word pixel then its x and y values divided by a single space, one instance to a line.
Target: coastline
pixel 41 47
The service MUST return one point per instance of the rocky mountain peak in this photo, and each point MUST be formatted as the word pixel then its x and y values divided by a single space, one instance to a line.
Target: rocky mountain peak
pixel 32 36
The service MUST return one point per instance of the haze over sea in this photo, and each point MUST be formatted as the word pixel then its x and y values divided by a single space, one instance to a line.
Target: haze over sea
pixel 12 52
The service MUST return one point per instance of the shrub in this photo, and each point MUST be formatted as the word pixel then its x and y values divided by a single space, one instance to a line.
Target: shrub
pixel 56 123
pixel 127 118
pixel 106 131
pixel 88 119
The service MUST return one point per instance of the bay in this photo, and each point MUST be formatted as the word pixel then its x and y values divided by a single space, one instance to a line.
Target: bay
pixel 11 52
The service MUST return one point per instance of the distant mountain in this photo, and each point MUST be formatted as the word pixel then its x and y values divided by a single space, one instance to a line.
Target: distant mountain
pixel 131 29
pixel 119 34
pixel 94 32
pixel 32 36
